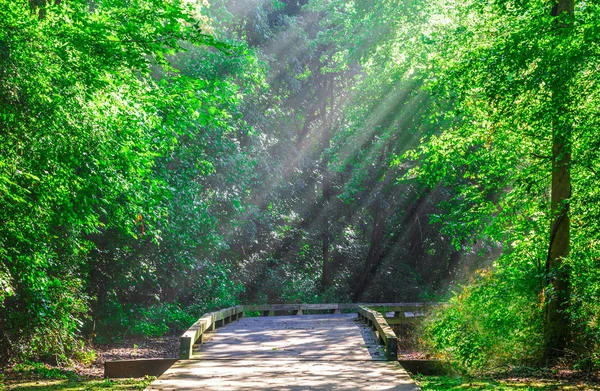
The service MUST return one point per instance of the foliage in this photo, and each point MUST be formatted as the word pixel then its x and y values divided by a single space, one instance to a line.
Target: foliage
pixel 41 371
pixel 503 82
pixel 460 383
pixel 142 321
pixel 506 112
pixel 102 114
pixel 324 177
pixel 493 322
pixel 162 160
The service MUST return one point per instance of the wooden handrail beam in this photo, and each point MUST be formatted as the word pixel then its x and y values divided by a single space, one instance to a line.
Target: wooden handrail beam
pixel 207 322
pixel 386 334
pixel 392 307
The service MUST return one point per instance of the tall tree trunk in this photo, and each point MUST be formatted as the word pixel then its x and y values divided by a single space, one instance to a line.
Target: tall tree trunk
pixel 326 188
pixel 326 234
pixel 374 254
pixel 557 329
pixel 310 118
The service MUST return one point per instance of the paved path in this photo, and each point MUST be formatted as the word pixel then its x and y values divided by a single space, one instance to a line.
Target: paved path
pixel 290 353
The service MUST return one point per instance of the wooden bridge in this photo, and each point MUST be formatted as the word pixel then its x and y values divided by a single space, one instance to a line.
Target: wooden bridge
pixel 330 347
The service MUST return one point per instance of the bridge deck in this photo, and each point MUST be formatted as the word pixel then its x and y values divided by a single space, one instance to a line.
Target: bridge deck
pixel 308 352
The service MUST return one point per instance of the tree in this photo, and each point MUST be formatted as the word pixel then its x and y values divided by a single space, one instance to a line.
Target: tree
pixel 512 73
pixel 557 324
pixel 503 83
pixel 86 131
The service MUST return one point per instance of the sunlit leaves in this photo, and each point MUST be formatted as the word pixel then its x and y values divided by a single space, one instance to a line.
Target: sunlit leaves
pixel 512 78
pixel 84 123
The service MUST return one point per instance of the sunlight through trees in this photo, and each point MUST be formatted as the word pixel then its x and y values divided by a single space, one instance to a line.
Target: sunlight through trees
pixel 160 159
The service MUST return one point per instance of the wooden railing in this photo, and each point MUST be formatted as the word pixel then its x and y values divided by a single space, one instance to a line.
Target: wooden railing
pixel 385 333
pixel 377 315
pixel 298 309
pixel 401 313
pixel 207 322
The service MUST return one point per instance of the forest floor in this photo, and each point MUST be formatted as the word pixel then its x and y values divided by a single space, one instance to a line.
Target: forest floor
pixel 38 376
pixel 134 348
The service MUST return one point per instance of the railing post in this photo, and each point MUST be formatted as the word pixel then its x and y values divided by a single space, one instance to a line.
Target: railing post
pixel 185 348
pixel 391 348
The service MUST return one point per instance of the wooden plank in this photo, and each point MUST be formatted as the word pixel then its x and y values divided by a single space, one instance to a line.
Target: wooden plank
pixel 252 308
pixel 309 337
pixel 219 318
pixel 319 306
pixel 217 315
pixel 284 307
pixel 117 369
pixel 401 307
pixel 338 306
pixel 289 375
pixel 272 307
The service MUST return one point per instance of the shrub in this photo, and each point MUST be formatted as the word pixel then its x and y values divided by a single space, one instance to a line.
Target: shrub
pixel 496 320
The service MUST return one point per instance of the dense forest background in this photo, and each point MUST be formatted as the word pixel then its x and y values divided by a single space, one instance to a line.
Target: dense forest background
pixel 159 159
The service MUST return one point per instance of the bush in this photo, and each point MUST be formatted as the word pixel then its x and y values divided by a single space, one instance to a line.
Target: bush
pixel 211 288
pixel 495 321
pixel 161 319
pixel 142 321
pixel 43 321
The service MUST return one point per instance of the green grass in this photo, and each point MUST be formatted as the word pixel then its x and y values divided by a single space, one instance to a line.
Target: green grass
pixel 31 376
pixel 440 383
pixel 79 385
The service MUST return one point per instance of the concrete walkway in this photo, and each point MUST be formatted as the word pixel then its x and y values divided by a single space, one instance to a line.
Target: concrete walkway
pixel 308 352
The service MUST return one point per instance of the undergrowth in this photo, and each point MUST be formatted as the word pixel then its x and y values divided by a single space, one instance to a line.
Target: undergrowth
pixel 440 383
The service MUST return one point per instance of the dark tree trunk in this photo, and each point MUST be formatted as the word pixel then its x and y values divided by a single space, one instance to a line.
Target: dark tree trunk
pixel 374 254
pixel 310 118
pixel 557 323
pixel 326 188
